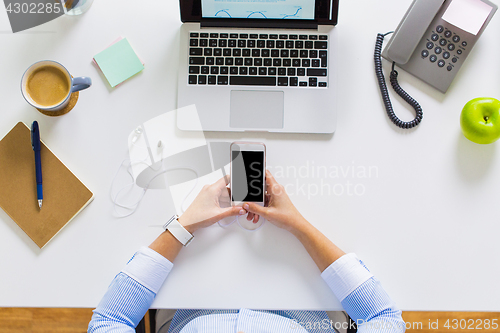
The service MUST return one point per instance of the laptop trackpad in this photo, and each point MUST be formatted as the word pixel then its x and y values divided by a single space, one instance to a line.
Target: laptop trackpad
pixel 256 109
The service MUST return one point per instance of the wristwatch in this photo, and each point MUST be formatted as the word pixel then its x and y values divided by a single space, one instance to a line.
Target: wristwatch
pixel 178 231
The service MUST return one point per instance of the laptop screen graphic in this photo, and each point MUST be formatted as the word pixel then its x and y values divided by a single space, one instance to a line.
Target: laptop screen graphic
pixel 259 9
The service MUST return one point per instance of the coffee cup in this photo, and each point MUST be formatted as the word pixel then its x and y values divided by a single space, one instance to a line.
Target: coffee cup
pixel 47 85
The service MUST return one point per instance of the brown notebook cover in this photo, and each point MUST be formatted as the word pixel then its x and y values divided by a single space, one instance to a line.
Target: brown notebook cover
pixel 64 195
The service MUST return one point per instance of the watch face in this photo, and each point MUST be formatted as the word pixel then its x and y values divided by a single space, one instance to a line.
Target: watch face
pixel 178 231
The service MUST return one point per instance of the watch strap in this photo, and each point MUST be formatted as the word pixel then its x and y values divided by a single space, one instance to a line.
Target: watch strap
pixel 178 231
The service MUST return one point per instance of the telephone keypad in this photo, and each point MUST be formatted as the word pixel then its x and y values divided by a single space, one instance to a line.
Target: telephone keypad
pixel 446 41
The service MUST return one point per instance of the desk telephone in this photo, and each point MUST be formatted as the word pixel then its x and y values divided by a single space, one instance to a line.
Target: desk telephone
pixel 431 42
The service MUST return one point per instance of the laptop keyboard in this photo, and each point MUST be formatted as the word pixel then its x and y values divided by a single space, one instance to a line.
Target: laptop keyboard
pixel 258 59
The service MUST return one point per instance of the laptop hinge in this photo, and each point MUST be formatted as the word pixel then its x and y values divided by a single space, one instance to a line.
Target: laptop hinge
pixel 269 24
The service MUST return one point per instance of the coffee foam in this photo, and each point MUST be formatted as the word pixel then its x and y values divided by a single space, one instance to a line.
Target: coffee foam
pixel 48 86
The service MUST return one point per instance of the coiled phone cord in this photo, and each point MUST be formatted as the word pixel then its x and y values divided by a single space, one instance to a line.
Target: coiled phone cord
pixel 397 88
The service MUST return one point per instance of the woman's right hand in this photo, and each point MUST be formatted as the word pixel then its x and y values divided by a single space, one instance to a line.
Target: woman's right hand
pixel 279 209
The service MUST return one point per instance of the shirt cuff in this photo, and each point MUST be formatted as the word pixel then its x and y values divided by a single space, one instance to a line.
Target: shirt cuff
pixel 149 268
pixel 346 274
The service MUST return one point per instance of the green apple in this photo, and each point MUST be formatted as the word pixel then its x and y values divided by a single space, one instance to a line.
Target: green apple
pixel 480 120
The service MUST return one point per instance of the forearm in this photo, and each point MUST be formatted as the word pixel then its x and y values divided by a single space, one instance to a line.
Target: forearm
pixel 361 295
pixel 319 247
pixel 167 245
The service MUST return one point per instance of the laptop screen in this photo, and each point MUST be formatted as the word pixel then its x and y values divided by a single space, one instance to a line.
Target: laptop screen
pixel 259 9
pixel 306 14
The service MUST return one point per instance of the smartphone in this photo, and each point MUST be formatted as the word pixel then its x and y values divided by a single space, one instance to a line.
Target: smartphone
pixel 248 173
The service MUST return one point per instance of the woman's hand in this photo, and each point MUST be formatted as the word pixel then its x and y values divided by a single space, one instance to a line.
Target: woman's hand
pixel 206 208
pixel 279 209
pixel 203 212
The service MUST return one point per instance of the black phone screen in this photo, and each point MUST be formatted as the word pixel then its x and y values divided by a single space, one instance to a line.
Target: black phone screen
pixel 247 176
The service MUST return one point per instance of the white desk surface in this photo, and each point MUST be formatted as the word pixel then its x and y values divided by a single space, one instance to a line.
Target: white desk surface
pixel 427 224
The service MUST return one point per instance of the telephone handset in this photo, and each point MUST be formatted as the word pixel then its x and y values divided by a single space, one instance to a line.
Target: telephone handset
pixel 432 42
pixel 411 29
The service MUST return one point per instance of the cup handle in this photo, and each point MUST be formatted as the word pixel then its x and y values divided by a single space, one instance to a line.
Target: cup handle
pixel 80 83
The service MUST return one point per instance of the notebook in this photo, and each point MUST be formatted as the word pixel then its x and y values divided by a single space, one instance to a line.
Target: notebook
pixel 64 195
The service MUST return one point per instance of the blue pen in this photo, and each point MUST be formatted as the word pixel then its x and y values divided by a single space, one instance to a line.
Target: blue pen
pixel 35 143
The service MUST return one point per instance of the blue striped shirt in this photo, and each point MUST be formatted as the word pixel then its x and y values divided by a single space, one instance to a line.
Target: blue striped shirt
pixel 133 290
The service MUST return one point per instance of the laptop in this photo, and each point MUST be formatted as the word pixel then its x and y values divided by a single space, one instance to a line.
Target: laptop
pixel 258 65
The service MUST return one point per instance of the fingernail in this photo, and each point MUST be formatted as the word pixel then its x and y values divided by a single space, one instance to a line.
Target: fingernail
pixel 245 206
pixel 242 212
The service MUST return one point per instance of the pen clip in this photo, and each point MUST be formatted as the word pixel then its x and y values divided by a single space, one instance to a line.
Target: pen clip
pixel 32 139
pixel 35 136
